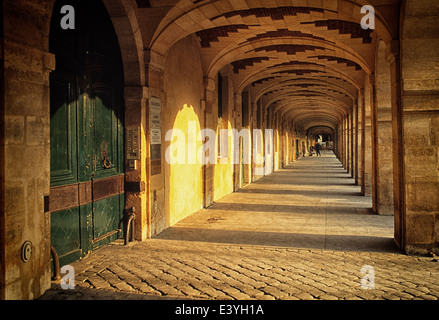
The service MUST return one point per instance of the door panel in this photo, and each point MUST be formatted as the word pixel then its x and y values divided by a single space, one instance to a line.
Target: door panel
pixel 104 219
pixel 108 205
pixel 106 133
pixel 63 130
pixel 66 233
pixel 87 194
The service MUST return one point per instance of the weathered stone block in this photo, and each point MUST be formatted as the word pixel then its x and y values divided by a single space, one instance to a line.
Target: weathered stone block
pixel 25 98
pixel 14 211
pixel 420 162
pixel 422 196
pixel 14 129
pixel 23 63
pixel 420 228
pixel 29 16
pixel 25 162
pixel 34 130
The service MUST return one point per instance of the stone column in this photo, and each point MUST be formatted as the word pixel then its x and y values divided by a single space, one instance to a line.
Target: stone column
pixel 26 65
pixel 356 142
pixel 137 183
pixel 374 146
pixel 348 142
pixel 393 57
pixel 359 145
pixel 208 169
pixel 342 143
pixel 2 166
pixel 293 136
pixel 236 118
pixel 418 125
pixel 337 141
pixel 367 182
pixel 253 125
pixel 384 168
pixel 362 144
pixel 351 146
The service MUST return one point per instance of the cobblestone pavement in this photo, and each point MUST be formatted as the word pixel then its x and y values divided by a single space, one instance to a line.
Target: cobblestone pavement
pixel 302 233
pixel 158 269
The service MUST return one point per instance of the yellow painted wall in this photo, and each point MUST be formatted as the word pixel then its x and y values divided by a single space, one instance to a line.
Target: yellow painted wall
pixel 183 89
pixel 185 172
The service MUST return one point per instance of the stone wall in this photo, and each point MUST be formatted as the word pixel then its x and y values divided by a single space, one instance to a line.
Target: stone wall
pixel 27 66
pixel 2 165
pixel 420 107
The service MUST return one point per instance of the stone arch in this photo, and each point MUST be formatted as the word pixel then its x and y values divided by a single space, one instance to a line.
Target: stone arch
pixel 130 40
pixel 178 23
pixel 128 33
pixel 255 48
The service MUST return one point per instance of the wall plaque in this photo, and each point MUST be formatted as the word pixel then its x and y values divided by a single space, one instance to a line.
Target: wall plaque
pixel 155 123
pixel 133 143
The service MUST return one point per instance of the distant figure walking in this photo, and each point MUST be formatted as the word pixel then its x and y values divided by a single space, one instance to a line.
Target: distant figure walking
pixel 318 147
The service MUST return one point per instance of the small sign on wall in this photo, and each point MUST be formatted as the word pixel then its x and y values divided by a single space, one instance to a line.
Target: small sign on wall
pixel 133 143
pixel 155 120
pixel 155 123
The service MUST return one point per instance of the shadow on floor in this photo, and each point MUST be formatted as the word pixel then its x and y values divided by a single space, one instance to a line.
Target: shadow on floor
pixel 300 192
pixel 323 209
pixel 281 239
pixel 80 293
pixel 307 180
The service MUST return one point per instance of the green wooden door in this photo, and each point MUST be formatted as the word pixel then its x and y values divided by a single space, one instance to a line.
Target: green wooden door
pixel 87 197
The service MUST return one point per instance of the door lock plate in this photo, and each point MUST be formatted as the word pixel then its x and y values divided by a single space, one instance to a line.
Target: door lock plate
pixel 26 251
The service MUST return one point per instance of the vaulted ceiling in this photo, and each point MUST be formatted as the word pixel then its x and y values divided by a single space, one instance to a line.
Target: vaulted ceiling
pixel 307 58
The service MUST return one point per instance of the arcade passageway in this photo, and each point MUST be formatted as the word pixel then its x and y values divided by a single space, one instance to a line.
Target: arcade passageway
pixel 312 203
